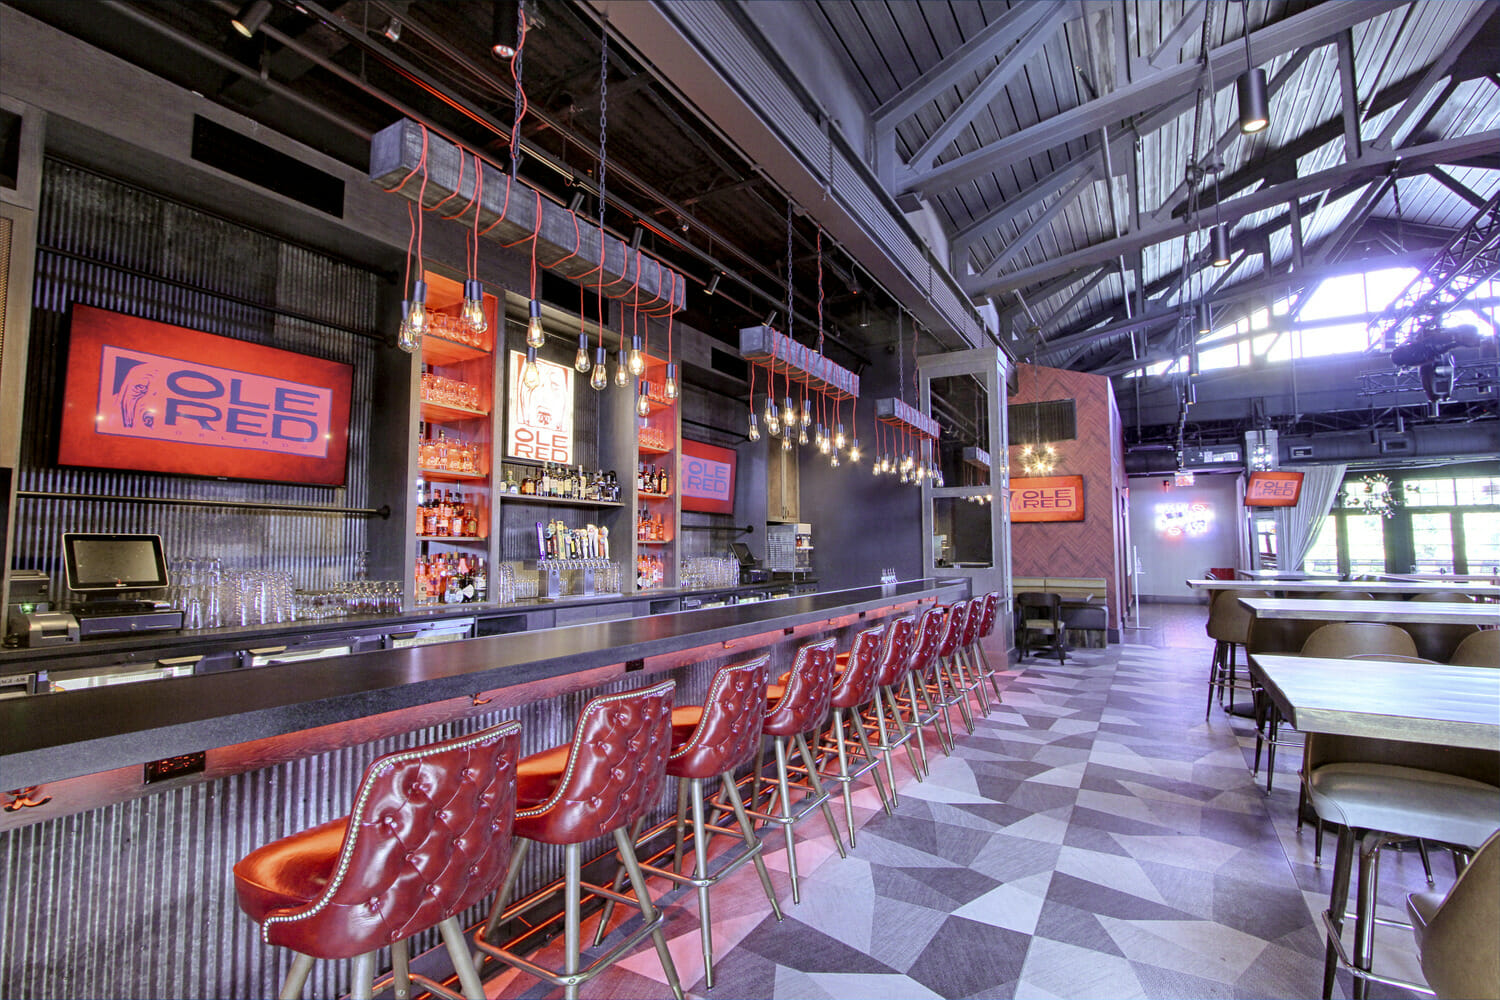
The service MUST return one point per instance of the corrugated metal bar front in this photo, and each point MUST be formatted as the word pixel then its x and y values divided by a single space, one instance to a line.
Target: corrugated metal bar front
pixel 102 244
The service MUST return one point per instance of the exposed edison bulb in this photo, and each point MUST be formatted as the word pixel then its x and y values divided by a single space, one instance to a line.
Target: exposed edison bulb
pixel 643 399
pixel 806 414
pixel 635 360
pixel 786 442
pixel 825 443
pixel 788 412
pixel 669 386
pixel 600 378
pixel 754 428
pixel 535 337
pixel 581 362
pixel 622 370
pixel 773 426
pixel 838 438
pixel 416 309
pixel 773 421
pixel 531 375
pixel 405 339
pixel 833 459
pixel 854 451
pixel 802 434
pixel 473 316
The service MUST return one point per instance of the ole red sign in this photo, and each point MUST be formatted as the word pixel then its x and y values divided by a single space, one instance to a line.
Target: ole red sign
pixel 146 395
pixel 1047 498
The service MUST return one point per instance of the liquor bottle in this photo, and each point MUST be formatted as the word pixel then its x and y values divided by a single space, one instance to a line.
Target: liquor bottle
pixel 471 521
pixel 481 582
pixel 661 481
pixel 452 592
pixel 528 485
pixel 511 486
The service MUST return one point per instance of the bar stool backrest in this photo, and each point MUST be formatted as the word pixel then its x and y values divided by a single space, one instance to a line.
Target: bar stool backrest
pixel 428 837
pixel 627 734
pixel 856 685
pixel 1228 619
pixel 1446 596
pixel 987 623
pixel 728 731
pixel 954 630
pixel 972 622
pixel 929 637
pixel 809 687
pixel 898 642
pixel 1481 649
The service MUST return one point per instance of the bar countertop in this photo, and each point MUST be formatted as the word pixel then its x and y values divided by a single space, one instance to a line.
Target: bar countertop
pixel 55 736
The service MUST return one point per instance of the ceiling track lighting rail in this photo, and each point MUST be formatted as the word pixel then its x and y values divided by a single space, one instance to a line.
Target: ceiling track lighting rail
pixel 570 242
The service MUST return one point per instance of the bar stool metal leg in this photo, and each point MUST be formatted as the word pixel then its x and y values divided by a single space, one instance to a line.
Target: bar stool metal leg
pixel 296 978
pixel 1338 902
pixel 401 969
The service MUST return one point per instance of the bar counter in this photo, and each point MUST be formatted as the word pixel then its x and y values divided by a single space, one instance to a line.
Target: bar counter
pixel 47 738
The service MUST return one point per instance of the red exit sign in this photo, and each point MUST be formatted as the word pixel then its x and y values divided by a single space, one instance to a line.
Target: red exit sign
pixel 1047 498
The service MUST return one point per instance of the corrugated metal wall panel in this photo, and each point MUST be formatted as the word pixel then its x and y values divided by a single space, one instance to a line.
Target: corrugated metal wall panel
pixel 123 233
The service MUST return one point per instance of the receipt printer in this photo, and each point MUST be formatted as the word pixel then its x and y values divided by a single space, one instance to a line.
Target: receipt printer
pixel 43 628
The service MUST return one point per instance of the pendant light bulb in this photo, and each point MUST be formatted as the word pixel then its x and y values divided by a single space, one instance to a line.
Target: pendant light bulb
pixel 788 412
pixel 854 451
pixel 786 442
pixel 531 375
pixel 669 386
pixel 600 378
pixel 839 440
pixel 473 311
pixel 535 337
pixel 1255 108
pixel 834 460
pixel 405 339
pixel 807 413
pixel 636 361
pixel 802 435
pixel 622 371
pixel 754 428
pixel 643 399
pixel 581 362
pixel 416 312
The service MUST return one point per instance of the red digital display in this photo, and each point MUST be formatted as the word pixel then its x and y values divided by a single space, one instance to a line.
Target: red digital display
pixel 707 478
pixel 160 398
pixel 1273 489
pixel 1047 498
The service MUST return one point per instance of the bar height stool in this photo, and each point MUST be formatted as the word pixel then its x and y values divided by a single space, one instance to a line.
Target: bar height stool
pixel 429 836
pixel 921 659
pixel 888 675
pixel 795 710
pixel 979 607
pixel 950 669
pixel 711 741
pixel 986 629
pixel 855 688
pixel 602 783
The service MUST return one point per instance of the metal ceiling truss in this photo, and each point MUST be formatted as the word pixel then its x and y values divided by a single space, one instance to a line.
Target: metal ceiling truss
pixel 1480 376
pixel 1468 260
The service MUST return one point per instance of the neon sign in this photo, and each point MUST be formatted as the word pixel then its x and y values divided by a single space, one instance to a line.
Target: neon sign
pixel 1193 519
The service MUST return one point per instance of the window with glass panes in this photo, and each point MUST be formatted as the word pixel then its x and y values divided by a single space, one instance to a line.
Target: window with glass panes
pixel 1444 524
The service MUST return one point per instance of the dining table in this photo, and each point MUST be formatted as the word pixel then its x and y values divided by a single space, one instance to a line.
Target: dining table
pixel 1393 612
pixel 1376 587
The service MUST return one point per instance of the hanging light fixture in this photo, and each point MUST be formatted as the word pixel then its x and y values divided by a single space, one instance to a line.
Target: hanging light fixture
pixel 1218 239
pixel 839 440
pixel 535 335
pixel 531 375
pixel 754 434
pixel 251 16
pixel 1205 322
pixel 581 362
pixel 713 284
pixel 802 434
pixel 854 451
pixel 600 378
pixel 1255 104
pixel 622 370
pixel 414 320
pixel 635 361
pixel 643 399
pixel 504 26
pixel 669 384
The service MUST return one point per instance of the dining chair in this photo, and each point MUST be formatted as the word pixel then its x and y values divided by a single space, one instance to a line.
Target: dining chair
pixel 1041 620
pixel 1456 934
pixel 1481 649
pixel 1435 641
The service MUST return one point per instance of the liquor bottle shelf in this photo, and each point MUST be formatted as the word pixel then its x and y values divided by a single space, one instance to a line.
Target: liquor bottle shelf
pixel 556 501
pixel 654 496
pixel 655 541
pixel 443 413
pixel 647 449
pixel 448 476
pixel 441 351
pixel 452 538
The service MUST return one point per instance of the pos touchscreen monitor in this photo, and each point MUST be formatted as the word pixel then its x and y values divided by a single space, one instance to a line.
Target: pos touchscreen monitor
pixel 98 563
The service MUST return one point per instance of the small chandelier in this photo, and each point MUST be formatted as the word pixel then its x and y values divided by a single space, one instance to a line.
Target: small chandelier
pixel 1372 495
pixel 1038 459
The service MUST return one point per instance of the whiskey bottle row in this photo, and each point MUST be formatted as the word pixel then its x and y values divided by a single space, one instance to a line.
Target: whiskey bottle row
pixel 563 482
pixel 451 579
pixel 653 479
pixel 445 514
pixel 650 572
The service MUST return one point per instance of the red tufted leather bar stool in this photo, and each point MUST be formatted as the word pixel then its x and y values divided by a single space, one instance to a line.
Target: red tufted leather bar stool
pixel 965 655
pixel 921 673
pixel 855 688
pixel 603 782
pixel 794 711
pixel 711 741
pixel 950 666
pixel 890 674
pixel 986 629
pixel 429 836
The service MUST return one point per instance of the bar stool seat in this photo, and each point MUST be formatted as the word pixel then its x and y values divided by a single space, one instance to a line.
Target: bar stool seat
pixel 428 837
pixel 1409 801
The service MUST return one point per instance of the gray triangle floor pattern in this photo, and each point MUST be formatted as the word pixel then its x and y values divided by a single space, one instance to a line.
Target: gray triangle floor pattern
pixel 1094 837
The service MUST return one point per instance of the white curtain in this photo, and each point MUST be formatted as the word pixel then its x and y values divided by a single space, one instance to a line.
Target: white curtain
pixel 1297 527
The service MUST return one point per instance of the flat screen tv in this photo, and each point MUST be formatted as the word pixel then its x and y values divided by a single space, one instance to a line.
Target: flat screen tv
pixel 159 398
pixel 96 563
pixel 707 478
pixel 1273 489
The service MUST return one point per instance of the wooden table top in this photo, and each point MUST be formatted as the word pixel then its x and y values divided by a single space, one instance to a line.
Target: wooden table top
pixel 1356 587
pixel 1276 574
pixel 1411 702
pixel 1408 612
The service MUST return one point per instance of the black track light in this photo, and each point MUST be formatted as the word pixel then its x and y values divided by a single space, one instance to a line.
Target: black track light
pixel 575 202
pixel 505 29
pixel 1205 327
pixel 713 283
pixel 1219 243
pixel 392 31
pixel 770 319
pixel 248 21
pixel 635 238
